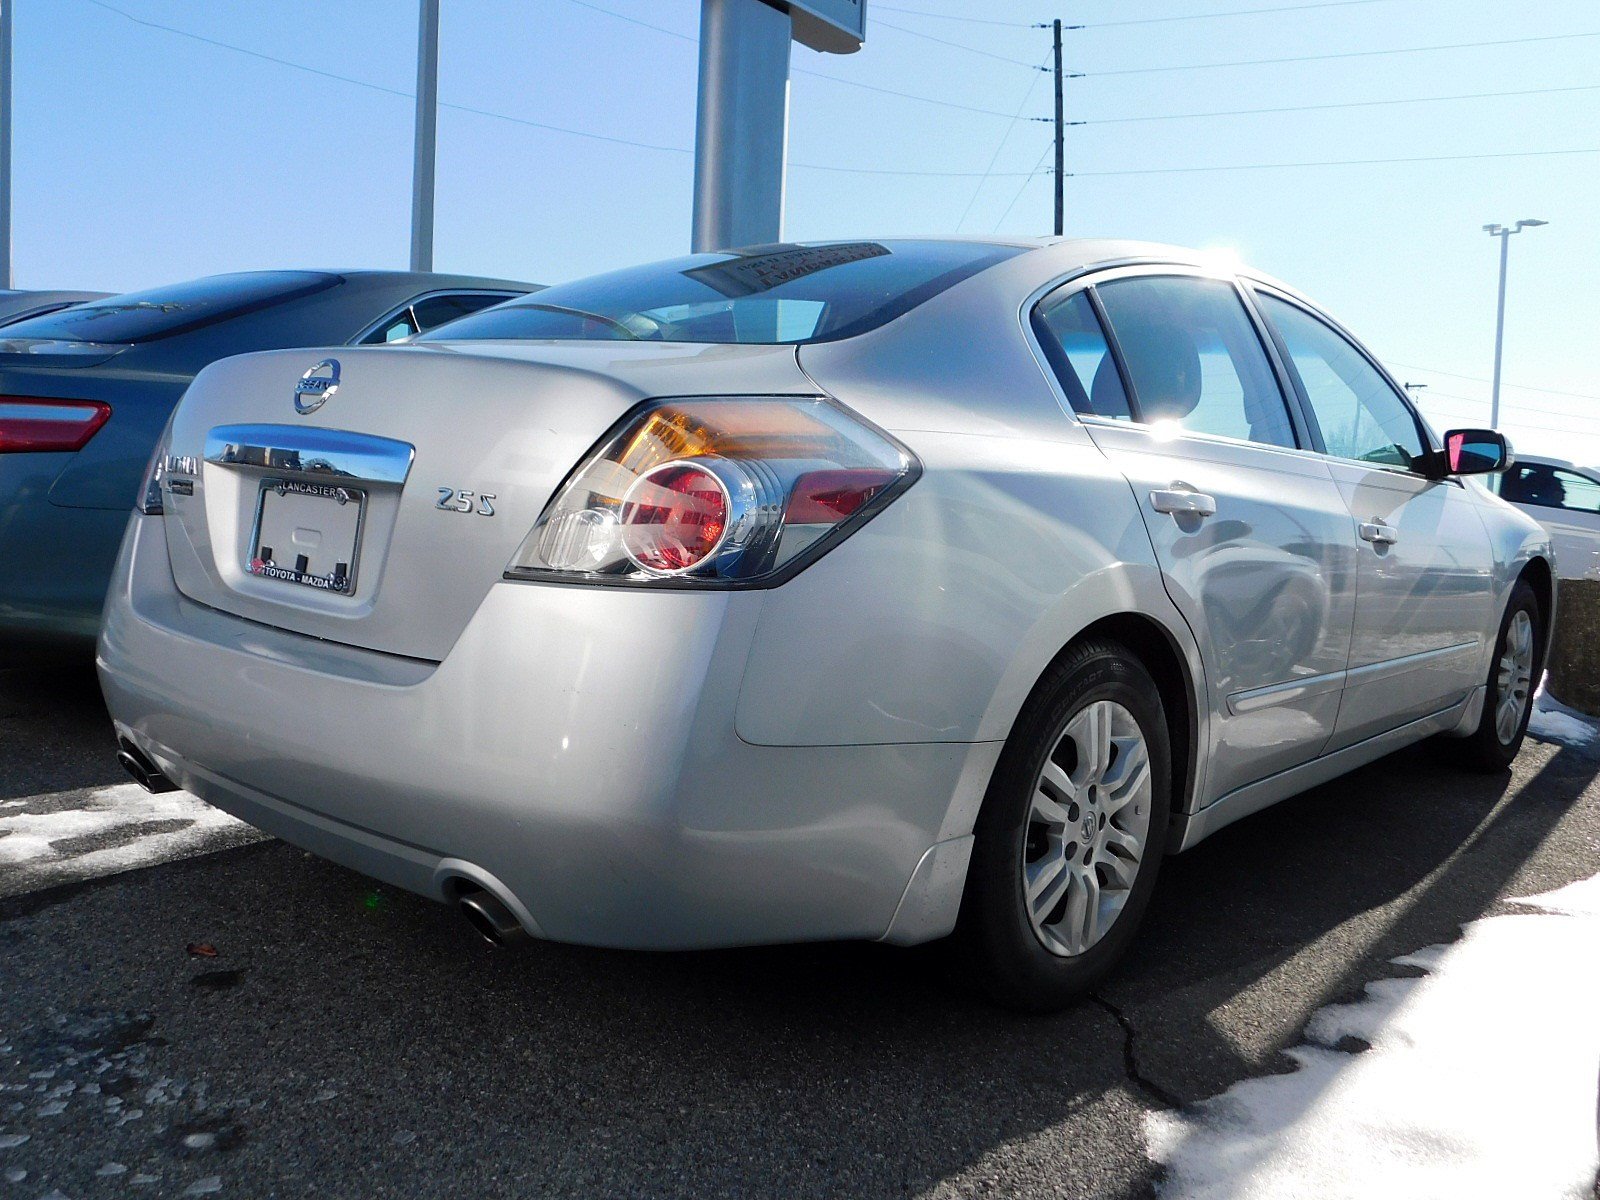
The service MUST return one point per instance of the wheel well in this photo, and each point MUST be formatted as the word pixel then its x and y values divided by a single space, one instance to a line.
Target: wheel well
pixel 1538 576
pixel 1154 647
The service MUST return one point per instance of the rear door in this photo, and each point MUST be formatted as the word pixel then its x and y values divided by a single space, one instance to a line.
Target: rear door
pixel 1425 584
pixel 1256 545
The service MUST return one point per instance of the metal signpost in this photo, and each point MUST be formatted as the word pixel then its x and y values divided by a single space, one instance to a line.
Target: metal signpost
pixel 5 143
pixel 742 125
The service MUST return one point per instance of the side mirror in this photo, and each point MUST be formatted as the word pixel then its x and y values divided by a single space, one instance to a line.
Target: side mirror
pixel 1473 452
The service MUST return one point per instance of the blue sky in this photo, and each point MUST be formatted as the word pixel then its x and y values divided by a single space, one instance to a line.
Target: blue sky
pixel 143 156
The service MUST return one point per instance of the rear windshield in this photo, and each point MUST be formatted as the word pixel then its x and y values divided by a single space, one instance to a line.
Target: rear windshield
pixel 768 295
pixel 164 311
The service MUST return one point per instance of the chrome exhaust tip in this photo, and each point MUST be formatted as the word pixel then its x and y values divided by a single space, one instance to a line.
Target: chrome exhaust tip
pixel 145 773
pixel 490 918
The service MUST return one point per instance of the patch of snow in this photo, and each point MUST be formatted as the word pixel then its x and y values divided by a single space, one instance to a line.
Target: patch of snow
pixel 1553 721
pixel 32 853
pixel 1480 1083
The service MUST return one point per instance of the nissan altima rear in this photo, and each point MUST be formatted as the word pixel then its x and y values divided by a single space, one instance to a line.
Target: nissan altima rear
pixel 872 590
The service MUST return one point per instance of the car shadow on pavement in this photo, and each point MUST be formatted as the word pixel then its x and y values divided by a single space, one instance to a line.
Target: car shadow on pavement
pixel 55 735
pixel 1302 905
pixel 336 1037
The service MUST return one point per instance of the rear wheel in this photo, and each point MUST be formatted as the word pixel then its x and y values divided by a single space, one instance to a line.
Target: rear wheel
pixel 1508 702
pixel 1071 833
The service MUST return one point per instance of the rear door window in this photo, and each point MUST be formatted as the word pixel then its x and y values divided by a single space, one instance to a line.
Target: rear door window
pixel 1194 358
pixel 1073 341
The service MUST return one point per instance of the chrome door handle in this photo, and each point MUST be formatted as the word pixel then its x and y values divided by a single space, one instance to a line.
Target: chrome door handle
pixel 1377 533
pixel 1181 500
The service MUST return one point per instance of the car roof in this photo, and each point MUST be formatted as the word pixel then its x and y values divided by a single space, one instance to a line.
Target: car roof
pixel 426 279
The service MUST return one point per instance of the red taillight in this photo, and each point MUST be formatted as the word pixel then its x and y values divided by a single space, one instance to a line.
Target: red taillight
pixel 824 497
pixel 674 517
pixel 31 424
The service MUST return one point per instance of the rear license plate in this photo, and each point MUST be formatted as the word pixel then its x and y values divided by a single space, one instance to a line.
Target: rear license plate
pixel 307 533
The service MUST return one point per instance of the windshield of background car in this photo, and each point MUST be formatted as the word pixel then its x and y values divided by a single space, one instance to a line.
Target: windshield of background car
pixel 164 311
pixel 768 295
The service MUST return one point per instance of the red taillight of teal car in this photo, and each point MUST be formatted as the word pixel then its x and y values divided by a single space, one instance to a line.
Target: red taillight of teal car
pixel 30 424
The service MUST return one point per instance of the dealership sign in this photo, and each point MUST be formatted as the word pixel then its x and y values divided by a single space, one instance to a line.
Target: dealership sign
pixel 835 26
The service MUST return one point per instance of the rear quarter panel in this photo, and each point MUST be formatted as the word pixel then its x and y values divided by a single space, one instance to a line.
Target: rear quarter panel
pixel 935 620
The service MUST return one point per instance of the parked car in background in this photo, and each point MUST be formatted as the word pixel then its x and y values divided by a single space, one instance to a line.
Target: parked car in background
pixel 19 306
pixel 1564 498
pixel 85 392
pixel 879 589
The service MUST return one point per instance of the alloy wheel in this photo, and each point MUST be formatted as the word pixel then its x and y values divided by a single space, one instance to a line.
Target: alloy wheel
pixel 1088 826
pixel 1514 682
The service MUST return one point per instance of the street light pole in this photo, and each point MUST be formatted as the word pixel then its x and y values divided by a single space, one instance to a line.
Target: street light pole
pixel 423 157
pixel 1504 234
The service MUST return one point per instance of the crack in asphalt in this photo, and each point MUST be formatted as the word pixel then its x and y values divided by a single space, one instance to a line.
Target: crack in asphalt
pixel 1130 1057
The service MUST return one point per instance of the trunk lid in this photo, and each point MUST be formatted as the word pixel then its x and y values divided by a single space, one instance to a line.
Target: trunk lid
pixel 382 517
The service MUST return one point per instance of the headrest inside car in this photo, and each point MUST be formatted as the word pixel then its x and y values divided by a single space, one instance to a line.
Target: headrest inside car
pixel 1165 364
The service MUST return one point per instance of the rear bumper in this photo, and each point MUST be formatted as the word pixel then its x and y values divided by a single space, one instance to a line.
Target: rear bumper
pixel 56 561
pixel 575 753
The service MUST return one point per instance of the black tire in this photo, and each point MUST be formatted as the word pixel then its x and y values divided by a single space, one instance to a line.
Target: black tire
pixel 999 948
pixel 1485 750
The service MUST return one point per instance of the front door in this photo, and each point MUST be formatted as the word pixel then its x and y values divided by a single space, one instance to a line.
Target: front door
pixel 1255 542
pixel 1425 582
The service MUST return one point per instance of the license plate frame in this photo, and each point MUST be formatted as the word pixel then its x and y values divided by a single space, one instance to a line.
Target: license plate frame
pixel 326 565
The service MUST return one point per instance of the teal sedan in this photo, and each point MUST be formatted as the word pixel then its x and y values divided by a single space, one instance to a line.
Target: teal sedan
pixel 85 393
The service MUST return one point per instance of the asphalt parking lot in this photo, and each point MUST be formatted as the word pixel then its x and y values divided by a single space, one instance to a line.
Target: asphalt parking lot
pixel 348 1040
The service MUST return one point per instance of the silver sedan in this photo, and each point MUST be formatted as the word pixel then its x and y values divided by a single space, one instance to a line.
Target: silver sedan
pixel 882 589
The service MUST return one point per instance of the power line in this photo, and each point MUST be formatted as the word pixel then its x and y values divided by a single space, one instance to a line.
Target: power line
pixel 1342 162
pixel 1519 386
pixel 282 62
pixel 988 112
pixel 869 87
pixel 995 157
pixel 1262 62
pixel 928 37
pixel 524 121
pixel 1048 150
pixel 1241 112
pixel 1114 24
pixel 635 21
pixel 1514 408
pixel 1237 12
pixel 918 12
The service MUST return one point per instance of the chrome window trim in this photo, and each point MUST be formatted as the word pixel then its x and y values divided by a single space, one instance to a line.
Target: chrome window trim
pixel 1086 278
pixel 361 338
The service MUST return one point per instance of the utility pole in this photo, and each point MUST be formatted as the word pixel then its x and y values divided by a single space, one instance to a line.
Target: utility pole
pixel 1061 149
pixel 424 158
pixel 1504 234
